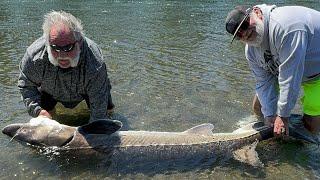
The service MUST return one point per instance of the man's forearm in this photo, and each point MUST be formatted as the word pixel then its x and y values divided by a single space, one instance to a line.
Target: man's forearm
pixel 31 98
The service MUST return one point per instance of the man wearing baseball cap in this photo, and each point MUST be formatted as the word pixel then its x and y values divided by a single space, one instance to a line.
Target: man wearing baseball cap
pixel 283 52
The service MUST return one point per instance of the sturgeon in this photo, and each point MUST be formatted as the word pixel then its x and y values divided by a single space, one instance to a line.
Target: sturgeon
pixel 104 137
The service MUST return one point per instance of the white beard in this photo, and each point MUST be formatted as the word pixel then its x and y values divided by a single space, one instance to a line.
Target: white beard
pixel 55 61
pixel 260 33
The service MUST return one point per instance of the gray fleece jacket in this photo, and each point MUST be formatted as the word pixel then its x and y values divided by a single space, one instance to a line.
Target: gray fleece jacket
pixel 288 56
pixel 69 86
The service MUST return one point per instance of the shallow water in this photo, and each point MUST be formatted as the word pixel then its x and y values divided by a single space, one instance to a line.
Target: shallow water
pixel 171 67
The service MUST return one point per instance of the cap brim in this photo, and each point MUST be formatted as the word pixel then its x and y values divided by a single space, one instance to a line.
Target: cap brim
pixel 235 33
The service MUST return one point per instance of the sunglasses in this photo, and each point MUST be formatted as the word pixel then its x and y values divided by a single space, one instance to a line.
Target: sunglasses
pixel 244 26
pixel 66 48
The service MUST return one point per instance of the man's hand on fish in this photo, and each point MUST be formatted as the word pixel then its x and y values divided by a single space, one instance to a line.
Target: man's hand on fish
pixel 45 113
pixel 281 126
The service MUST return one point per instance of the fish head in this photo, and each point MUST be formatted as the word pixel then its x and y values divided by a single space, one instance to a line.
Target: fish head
pixel 40 131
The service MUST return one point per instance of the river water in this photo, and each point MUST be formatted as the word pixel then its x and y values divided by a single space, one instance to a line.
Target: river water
pixel 171 67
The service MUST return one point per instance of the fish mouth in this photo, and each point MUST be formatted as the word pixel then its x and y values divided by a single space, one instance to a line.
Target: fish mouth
pixel 11 129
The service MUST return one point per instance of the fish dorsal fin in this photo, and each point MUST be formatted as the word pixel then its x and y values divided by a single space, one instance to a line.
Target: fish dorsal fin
pixel 203 129
pixel 101 127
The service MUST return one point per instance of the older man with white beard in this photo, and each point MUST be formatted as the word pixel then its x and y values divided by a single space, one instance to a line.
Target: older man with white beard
pixel 283 51
pixel 64 66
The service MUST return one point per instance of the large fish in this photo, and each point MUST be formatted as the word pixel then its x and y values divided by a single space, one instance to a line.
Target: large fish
pixel 104 137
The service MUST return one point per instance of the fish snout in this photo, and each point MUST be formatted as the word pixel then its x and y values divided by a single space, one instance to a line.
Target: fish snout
pixel 11 129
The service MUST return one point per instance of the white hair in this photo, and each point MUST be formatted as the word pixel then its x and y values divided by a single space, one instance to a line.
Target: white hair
pixel 55 17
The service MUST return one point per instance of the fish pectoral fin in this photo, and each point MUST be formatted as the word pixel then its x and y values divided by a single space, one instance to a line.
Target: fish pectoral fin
pixel 101 127
pixel 248 155
pixel 203 129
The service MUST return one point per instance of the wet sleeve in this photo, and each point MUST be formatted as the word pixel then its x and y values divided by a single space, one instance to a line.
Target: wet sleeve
pixel 292 57
pixel 28 82
pixel 266 85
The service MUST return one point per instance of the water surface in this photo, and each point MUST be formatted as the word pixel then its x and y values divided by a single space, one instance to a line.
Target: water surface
pixel 171 67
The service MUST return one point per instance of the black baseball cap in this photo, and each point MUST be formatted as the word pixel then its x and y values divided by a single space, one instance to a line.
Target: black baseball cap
pixel 235 19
